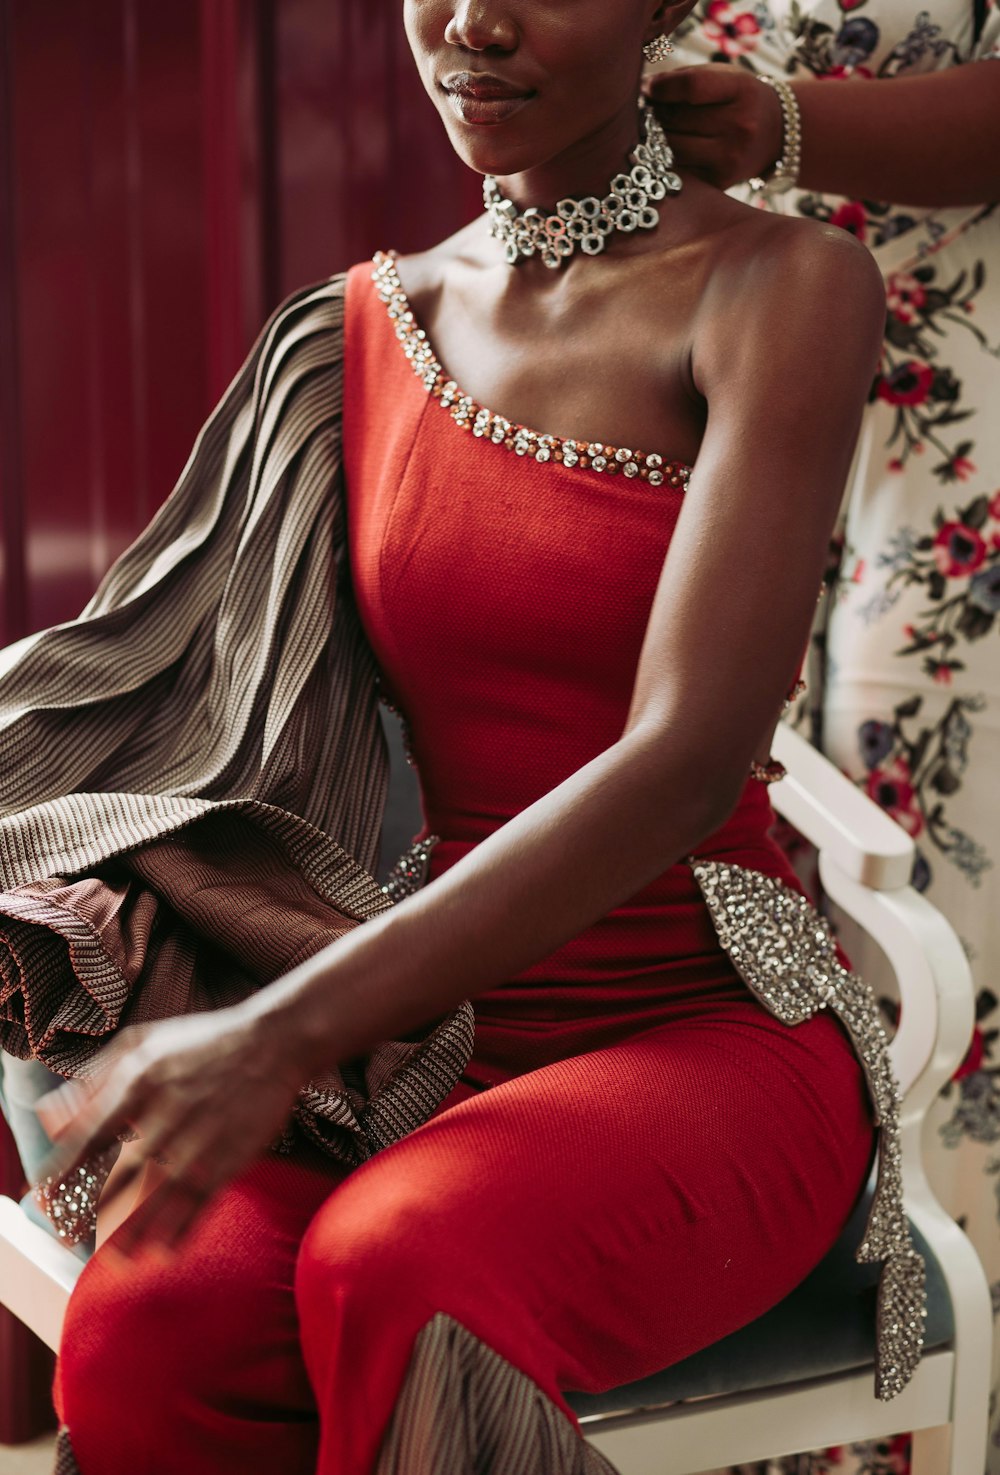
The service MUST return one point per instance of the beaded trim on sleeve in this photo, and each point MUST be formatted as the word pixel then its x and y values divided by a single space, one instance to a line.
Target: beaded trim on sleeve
pixel 484 424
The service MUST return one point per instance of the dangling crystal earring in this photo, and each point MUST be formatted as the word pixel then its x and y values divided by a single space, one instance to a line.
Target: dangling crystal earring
pixel 658 49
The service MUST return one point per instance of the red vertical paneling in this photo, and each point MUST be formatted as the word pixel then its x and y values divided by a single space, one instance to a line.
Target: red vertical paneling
pixel 54 286
pixel 12 582
pixel 363 161
pixel 238 176
pixel 174 170
pixel 111 287
pixel 167 172
pixel 170 270
pixel 25 1365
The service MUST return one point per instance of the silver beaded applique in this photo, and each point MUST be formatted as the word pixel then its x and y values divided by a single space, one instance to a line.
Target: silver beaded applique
pixel 485 425
pixel 785 952
pixel 409 873
pixel 70 1204
pixel 590 222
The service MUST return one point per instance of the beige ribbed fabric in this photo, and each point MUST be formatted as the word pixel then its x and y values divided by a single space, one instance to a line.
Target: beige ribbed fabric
pixel 209 726
pixel 465 1410
pixel 221 658
pixel 216 698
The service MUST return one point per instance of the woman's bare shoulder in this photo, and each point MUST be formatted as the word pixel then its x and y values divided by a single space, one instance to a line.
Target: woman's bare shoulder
pixel 790 284
pixel 423 273
pixel 792 256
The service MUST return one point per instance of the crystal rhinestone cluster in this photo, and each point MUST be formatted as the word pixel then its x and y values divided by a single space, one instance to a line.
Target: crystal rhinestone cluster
pixel 410 872
pixel 785 952
pixel 70 1203
pixel 484 424
pixel 590 222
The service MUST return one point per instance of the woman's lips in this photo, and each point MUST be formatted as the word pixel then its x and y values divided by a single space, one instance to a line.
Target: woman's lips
pixel 480 108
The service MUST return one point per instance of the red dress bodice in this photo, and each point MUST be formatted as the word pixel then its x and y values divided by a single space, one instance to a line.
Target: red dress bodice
pixel 506 599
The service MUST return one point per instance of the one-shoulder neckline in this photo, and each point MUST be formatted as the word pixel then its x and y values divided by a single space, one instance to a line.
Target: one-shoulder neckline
pixel 469 414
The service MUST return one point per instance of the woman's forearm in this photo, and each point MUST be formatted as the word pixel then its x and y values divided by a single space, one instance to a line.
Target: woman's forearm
pixel 517 897
pixel 927 141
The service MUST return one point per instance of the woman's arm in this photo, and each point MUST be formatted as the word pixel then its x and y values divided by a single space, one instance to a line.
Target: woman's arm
pixel 725 636
pixel 723 645
pixel 931 141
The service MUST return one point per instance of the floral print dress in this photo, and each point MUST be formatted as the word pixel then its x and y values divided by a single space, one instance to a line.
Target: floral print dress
pixel 905 667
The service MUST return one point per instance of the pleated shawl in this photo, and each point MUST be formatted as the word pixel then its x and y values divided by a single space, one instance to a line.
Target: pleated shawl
pixel 208 728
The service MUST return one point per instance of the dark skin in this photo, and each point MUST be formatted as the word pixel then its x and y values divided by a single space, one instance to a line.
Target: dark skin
pixel 719 338
pixel 858 138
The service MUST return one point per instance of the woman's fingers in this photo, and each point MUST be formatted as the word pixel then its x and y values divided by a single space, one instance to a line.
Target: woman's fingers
pixel 706 157
pixel 683 120
pixel 84 1120
pixel 163 1219
pixel 700 86
pixel 203 1098
pixel 199 1166
pixel 59 1108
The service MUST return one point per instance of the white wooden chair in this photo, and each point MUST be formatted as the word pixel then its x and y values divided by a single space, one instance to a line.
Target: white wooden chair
pixel 801 1377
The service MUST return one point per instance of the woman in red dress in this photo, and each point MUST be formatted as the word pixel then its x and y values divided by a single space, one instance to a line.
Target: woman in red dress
pixel 588 508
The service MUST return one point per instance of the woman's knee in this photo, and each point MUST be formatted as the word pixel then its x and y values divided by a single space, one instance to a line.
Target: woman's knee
pixel 142 1326
pixel 219 1315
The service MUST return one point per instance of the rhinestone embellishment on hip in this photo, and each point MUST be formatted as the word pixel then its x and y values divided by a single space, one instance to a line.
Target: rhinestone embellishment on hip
pixel 589 223
pixel 484 424
pixel 785 953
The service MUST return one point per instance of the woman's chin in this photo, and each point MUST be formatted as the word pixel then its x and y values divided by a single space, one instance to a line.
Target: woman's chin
pixel 499 148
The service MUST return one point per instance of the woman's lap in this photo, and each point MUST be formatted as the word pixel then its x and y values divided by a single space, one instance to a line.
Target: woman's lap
pixel 590 1221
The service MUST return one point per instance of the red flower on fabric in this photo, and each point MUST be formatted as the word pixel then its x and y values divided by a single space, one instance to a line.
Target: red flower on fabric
pixel 908 384
pixel 958 550
pixel 973 1057
pixel 995 506
pixel 943 673
pixel 841 74
pixel 905 296
pixel 731 31
pixel 962 468
pixel 893 791
pixel 851 217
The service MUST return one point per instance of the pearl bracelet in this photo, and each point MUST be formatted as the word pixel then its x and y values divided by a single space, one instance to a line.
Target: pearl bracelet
pixel 784 176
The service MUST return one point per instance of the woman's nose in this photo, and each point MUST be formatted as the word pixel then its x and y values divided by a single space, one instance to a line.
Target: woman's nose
pixel 482 25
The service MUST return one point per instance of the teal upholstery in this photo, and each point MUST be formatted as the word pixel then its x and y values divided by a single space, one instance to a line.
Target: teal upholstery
pixel 826 1326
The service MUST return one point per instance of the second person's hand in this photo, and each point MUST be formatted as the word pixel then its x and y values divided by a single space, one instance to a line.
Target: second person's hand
pixel 721 122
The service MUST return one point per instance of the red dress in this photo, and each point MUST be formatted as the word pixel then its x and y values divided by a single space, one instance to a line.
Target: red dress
pixel 658 1159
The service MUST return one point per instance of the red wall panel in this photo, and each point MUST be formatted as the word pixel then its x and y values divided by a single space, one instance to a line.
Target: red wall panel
pixel 167 174
pixel 107 255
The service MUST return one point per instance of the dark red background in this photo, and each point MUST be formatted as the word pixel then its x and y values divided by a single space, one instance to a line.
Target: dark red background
pixel 168 172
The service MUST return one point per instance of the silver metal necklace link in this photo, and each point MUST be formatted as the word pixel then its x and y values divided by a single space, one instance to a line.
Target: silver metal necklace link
pixel 590 222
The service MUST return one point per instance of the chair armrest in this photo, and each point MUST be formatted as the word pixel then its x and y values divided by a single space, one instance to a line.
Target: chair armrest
pixel 936 994
pixel 37 1273
pixel 837 817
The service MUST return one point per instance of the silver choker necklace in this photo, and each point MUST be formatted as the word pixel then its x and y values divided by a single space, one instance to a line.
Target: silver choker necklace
pixel 591 222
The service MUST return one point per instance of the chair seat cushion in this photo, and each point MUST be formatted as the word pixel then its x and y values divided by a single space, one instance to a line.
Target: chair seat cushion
pixel 826 1326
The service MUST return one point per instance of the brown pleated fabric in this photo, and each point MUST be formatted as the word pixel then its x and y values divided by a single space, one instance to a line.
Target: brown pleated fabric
pixel 465 1410
pixel 193 771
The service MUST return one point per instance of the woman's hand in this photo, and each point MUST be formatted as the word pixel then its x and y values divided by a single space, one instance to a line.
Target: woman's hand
pixel 721 122
pixel 206 1094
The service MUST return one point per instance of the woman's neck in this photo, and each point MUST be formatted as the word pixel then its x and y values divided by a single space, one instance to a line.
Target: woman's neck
pixel 586 168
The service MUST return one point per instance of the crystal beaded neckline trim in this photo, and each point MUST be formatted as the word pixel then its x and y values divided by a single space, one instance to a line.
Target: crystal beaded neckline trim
pixel 589 223
pixel 468 414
